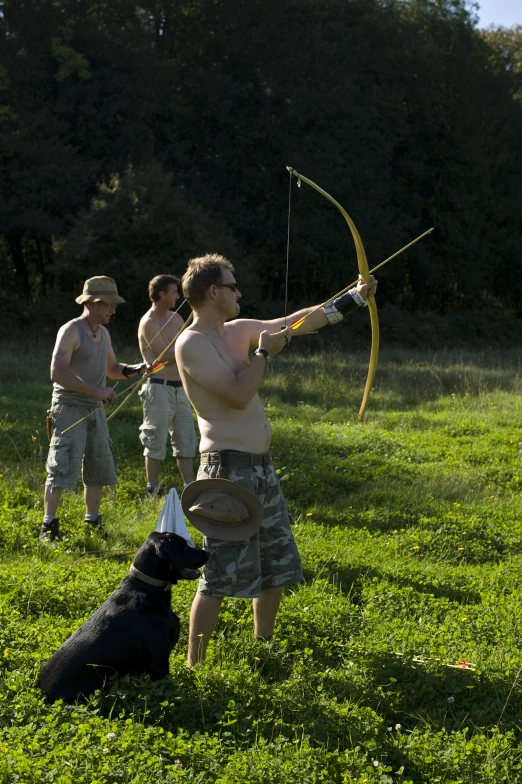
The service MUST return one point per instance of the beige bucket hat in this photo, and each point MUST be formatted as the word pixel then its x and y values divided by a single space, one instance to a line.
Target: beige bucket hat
pixel 222 509
pixel 100 289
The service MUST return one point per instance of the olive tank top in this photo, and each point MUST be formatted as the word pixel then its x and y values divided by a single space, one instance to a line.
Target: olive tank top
pixel 89 362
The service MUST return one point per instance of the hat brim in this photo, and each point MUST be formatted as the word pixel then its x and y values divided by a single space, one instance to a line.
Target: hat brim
pixel 109 299
pixel 217 530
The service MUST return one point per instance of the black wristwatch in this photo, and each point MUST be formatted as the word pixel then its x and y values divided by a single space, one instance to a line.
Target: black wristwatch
pixel 263 353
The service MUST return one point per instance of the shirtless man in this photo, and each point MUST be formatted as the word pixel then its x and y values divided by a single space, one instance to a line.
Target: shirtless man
pixel 222 384
pixel 166 408
pixel 82 359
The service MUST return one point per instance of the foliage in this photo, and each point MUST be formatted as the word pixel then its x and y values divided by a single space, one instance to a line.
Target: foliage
pixel 401 109
pixel 142 222
pixel 396 660
pixel 506 54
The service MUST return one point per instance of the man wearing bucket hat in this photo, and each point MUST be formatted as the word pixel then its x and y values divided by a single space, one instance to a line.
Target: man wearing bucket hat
pixel 249 558
pixel 82 359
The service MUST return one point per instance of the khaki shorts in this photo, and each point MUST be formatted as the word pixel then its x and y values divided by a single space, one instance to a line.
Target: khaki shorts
pixel 167 410
pixel 269 559
pixel 86 446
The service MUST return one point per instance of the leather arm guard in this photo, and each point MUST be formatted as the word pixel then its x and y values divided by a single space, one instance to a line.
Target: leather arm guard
pixel 131 370
pixel 341 306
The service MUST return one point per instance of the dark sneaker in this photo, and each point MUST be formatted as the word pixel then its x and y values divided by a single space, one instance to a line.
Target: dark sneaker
pixel 49 531
pixel 157 492
pixel 96 527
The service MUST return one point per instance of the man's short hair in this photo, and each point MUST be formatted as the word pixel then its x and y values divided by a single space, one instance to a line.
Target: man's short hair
pixel 161 283
pixel 202 272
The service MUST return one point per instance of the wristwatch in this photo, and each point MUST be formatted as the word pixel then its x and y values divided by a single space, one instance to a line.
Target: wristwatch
pixel 263 352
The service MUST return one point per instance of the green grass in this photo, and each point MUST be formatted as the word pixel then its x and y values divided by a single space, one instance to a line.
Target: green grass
pixel 410 529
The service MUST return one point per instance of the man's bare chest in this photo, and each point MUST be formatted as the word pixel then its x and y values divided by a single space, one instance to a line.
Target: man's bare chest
pixel 233 352
pixel 167 328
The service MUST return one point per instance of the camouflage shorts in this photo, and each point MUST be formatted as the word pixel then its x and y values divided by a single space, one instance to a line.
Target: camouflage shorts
pixel 269 559
pixel 87 446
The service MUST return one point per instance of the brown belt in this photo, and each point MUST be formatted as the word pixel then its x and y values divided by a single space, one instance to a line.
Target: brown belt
pixel 227 458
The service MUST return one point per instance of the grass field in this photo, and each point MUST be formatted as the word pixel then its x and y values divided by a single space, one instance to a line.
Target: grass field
pixel 397 660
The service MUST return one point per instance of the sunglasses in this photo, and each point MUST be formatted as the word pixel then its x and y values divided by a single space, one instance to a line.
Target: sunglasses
pixel 231 286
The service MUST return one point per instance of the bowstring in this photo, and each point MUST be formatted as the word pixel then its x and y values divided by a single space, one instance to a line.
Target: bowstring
pixel 165 324
pixel 154 338
pixel 288 253
pixel 288 244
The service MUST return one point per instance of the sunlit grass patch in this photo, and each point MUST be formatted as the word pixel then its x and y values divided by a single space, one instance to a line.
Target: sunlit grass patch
pixel 395 660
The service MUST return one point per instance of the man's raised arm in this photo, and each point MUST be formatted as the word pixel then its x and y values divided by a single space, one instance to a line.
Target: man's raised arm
pixel 334 311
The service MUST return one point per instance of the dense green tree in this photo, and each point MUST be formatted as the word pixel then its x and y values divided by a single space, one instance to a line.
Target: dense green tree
pixel 393 109
pixel 505 45
pixel 74 111
pixel 138 225
pixel 401 109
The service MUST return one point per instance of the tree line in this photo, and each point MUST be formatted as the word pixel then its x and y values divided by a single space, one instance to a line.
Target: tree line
pixel 135 136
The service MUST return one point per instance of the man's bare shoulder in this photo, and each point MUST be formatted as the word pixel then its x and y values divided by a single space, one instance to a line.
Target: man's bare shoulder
pixel 67 340
pixel 150 321
pixel 69 330
pixel 190 340
pixel 176 321
pixel 147 318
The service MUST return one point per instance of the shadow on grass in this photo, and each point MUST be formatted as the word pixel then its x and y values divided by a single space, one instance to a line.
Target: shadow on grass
pixel 340 718
pixel 414 692
pixel 350 581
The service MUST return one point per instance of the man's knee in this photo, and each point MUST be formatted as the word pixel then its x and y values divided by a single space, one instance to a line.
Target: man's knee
pixel 151 439
pixel 63 462
pixel 184 442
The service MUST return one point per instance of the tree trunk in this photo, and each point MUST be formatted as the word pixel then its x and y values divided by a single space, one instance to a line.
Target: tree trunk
pixel 14 241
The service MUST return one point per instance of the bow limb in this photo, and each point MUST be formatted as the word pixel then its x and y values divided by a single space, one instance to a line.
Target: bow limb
pixel 364 272
pixel 374 356
pixel 156 362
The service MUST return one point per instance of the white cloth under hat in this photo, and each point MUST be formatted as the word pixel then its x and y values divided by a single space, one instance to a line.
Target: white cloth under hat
pixel 171 519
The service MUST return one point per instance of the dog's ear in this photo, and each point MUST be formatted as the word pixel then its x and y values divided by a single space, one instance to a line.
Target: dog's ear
pixel 168 547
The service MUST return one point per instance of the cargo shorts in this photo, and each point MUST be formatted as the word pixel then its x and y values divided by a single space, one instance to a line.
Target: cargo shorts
pixel 167 410
pixel 269 559
pixel 87 446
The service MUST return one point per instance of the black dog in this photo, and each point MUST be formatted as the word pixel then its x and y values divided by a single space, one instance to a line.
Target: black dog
pixel 134 631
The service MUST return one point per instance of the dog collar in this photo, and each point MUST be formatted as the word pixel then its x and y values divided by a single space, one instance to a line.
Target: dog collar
pixel 150 580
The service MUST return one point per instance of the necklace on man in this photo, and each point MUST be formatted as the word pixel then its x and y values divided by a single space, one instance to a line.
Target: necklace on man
pixel 94 331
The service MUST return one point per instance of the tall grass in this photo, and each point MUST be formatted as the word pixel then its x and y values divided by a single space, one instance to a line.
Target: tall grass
pixel 396 659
